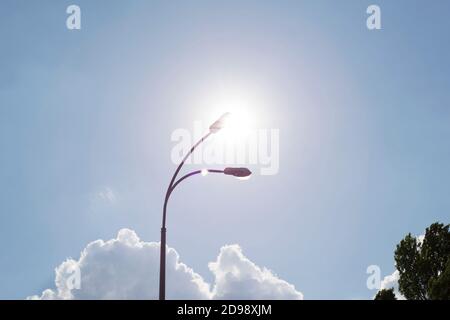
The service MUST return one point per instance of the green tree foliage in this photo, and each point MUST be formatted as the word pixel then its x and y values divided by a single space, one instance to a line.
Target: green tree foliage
pixel 424 266
pixel 440 287
pixel 386 294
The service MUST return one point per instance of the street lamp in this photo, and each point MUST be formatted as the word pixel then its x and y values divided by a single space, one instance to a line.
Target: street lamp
pixel 236 172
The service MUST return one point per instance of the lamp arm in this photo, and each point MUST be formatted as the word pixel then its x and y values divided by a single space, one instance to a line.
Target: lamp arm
pixel 170 187
pixel 189 175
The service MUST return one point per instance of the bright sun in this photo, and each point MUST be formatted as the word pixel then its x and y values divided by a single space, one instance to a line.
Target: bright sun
pixel 240 123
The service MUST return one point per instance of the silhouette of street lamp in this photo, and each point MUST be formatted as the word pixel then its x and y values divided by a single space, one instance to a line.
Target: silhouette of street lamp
pixel 236 172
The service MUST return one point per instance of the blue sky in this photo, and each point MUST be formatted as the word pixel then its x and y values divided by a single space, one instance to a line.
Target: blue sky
pixel 363 117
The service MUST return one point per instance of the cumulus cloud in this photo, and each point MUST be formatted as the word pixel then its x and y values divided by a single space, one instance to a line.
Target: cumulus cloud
pixel 127 268
pixel 391 281
pixel 236 277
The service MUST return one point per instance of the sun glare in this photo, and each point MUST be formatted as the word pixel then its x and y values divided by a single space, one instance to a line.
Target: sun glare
pixel 240 123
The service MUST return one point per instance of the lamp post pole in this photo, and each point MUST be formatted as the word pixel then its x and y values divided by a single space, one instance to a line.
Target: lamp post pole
pixel 162 259
pixel 216 126
pixel 237 172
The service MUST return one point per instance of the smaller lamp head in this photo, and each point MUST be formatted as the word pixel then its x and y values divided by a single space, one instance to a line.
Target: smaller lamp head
pixel 220 123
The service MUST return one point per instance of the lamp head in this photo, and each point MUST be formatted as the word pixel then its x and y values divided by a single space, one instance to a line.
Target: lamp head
pixel 238 172
pixel 220 123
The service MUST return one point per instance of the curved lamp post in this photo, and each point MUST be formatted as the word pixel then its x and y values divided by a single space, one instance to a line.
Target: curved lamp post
pixel 236 172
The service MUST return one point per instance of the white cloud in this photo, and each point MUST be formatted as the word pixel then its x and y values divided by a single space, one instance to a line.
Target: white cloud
pixel 128 268
pixel 107 195
pixel 391 281
pixel 236 277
